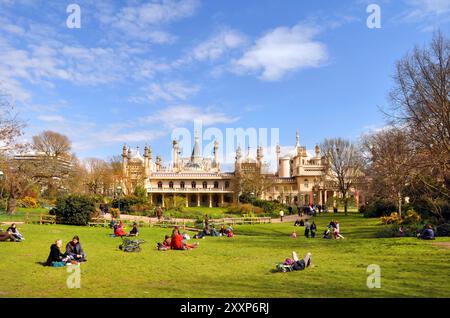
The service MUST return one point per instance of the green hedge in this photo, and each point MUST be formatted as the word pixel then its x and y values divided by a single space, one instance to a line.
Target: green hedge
pixel 74 209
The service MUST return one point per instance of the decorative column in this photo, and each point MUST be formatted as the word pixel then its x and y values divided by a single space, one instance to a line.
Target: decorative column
pixel 222 199
pixel 210 200
pixel 163 204
pixel 150 195
pixel 198 200
pixel 187 200
pixel 320 197
pixel 311 198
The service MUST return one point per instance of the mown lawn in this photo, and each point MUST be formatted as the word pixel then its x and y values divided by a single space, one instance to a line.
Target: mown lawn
pixel 237 267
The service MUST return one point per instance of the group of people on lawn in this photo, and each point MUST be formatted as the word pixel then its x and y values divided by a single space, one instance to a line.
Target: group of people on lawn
pixel 177 241
pixel 73 254
pixel 332 230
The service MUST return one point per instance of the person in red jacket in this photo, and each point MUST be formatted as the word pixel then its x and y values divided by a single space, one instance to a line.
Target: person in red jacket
pixel 178 243
pixel 119 231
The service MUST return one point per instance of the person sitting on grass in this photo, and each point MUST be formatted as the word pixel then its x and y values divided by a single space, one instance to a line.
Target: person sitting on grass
pixel 56 258
pixel 327 234
pixel 134 231
pixel 214 231
pixel 337 233
pixel 113 224
pixel 294 235
pixel 165 245
pixel 120 230
pixel 14 232
pixel 179 243
pixel 74 250
pixel 297 223
pixel 427 233
pixel 222 231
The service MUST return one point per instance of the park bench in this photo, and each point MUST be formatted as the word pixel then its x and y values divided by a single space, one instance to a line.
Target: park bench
pixel 102 222
pixel 41 219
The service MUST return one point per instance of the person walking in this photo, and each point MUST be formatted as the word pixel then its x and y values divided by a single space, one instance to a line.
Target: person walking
pixel 159 213
pixel 307 229
pixel 281 215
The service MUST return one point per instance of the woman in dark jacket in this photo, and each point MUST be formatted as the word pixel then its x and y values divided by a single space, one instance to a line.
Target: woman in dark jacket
pixel 55 255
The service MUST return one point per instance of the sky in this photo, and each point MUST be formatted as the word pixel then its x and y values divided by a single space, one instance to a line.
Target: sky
pixel 135 71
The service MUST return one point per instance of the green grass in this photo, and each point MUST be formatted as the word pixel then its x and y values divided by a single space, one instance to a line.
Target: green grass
pixel 237 267
pixel 20 214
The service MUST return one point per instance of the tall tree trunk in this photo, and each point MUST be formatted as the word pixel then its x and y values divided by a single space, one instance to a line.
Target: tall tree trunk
pixel 11 205
pixel 399 196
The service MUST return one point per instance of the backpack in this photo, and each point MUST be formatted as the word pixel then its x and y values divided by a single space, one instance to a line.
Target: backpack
pixel 283 268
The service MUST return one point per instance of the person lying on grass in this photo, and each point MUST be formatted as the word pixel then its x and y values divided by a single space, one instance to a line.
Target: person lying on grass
pixel 56 258
pixel 74 250
pixel 120 230
pixel 14 232
pixel 5 236
pixel 179 243
pixel 295 264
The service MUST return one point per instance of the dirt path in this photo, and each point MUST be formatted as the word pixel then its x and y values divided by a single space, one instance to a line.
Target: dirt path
pixel 442 244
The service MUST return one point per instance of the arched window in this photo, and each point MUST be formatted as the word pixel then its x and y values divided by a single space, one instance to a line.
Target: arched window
pixel 160 184
pixel 205 185
pixel 182 185
pixel 171 184
pixel 227 184
pixel 216 185
pixel 194 184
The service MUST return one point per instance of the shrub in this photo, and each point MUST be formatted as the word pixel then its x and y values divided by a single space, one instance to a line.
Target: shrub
pixel 443 229
pixel 411 218
pixel 74 209
pixel 115 213
pixel 28 202
pixel 379 208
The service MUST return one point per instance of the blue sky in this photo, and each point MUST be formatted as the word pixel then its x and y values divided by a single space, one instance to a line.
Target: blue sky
pixel 136 70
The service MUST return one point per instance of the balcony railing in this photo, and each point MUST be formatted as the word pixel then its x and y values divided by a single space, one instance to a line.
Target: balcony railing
pixel 189 190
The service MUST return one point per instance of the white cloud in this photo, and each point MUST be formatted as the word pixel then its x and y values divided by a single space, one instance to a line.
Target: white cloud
pixel 144 21
pixel 176 116
pixel 51 118
pixel 424 8
pixel 281 51
pixel 218 45
pixel 169 91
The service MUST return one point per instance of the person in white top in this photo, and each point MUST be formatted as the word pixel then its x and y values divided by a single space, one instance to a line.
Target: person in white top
pixel 281 215
pixel 337 234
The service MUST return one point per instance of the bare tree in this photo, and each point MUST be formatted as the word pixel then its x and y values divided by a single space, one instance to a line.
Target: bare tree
pixel 390 160
pixel 53 144
pixel 421 104
pixel 343 166
pixel 99 178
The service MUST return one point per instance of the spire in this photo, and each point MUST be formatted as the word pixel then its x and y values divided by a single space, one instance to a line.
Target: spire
pixel 297 140
pixel 196 154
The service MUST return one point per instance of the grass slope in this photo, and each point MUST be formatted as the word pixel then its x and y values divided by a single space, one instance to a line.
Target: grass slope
pixel 237 267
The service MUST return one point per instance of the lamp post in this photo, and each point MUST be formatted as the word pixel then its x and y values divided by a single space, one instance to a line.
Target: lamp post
pixel 2 177
pixel 119 192
pixel 253 203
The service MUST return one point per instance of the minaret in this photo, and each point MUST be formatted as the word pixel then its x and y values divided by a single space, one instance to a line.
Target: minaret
pixel 317 152
pixel 124 160
pixel 146 162
pixel 259 156
pixel 176 151
pixel 216 155
pixel 297 140
pixel 238 158
pixel 278 151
